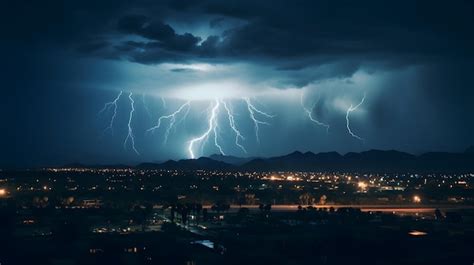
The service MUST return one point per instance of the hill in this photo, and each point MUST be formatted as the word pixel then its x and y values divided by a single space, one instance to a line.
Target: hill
pixel 368 161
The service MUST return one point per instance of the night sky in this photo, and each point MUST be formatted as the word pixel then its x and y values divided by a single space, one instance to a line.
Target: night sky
pixel 284 62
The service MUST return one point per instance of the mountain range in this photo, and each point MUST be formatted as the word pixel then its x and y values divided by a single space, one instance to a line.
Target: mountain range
pixel 368 161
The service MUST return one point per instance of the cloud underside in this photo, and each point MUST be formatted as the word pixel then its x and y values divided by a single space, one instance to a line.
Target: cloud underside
pixel 290 37
pixel 284 44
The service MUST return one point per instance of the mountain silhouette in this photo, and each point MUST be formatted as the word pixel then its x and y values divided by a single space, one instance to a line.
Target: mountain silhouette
pixel 370 161
pixel 233 160
pixel 384 161
pixel 203 163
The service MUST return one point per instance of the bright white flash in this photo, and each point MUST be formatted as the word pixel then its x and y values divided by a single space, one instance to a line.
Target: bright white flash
pixel 111 105
pixel 349 110
pixel 309 112
pixel 238 135
pixel 252 111
pixel 212 124
pixel 130 137
pixel 172 119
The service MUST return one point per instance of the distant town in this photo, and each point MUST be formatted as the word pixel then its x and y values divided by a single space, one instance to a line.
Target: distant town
pixel 148 216
pixel 238 188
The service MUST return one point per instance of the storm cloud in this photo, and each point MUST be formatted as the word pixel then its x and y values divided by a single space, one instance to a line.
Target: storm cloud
pixel 63 60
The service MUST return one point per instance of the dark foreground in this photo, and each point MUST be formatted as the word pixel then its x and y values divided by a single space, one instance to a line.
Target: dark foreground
pixel 119 216
pixel 260 236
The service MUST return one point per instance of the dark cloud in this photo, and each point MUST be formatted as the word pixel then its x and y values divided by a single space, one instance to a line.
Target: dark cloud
pixel 181 43
pixel 93 46
pixel 143 26
pixel 288 36
pixel 164 43
pixel 181 70
pixel 133 24
pixel 305 32
pixel 216 22
pixel 128 46
pixel 418 55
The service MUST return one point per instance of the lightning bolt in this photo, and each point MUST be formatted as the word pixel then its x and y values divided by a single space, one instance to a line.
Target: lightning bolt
pixel 172 120
pixel 257 116
pixel 349 110
pixel 212 127
pixel 107 106
pixel 309 112
pixel 232 125
pixel 252 111
pixel 216 143
pixel 163 102
pixel 145 106
pixel 130 135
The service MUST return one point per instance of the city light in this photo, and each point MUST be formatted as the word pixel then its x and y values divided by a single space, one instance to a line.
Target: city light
pixel 417 233
pixel 3 192
pixel 362 185
pixel 416 199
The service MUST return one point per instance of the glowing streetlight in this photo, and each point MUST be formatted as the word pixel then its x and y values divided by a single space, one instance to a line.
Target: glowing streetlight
pixel 362 185
pixel 416 199
pixel 417 233
pixel 3 192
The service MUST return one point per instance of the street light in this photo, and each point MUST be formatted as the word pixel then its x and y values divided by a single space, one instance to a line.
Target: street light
pixel 362 185
pixel 416 199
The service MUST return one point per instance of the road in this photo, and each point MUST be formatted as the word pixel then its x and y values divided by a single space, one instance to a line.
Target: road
pixel 415 208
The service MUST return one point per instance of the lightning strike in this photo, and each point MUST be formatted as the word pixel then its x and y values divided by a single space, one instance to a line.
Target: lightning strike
pixel 130 137
pixel 113 105
pixel 163 102
pixel 252 111
pixel 232 125
pixel 309 112
pixel 257 116
pixel 349 110
pixel 172 120
pixel 145 106
pixel 216 135
pixel 212 124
